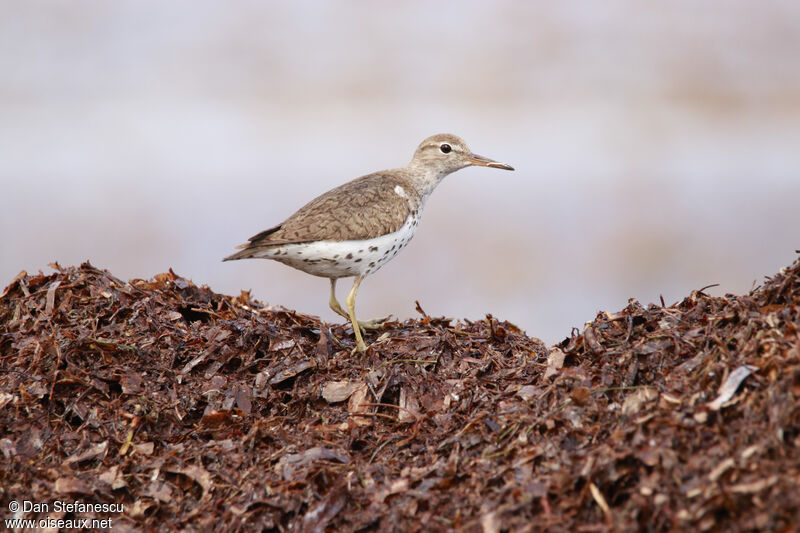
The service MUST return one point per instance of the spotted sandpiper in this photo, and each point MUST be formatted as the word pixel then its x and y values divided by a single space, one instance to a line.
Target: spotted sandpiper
pixel 356 228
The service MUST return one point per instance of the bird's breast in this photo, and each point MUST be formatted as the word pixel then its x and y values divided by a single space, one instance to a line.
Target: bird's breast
pixel 341 259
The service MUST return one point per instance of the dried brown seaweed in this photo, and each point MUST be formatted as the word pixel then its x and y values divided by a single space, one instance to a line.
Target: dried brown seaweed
pixel 202 411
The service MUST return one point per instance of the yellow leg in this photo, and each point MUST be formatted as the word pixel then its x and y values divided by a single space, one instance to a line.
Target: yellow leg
pixel 337 308
pixel 351 307
pixel 334 303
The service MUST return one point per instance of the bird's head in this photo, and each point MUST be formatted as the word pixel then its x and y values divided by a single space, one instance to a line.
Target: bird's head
pixel 445 153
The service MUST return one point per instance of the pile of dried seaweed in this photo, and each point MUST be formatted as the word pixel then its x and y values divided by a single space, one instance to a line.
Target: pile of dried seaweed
pixel 201 411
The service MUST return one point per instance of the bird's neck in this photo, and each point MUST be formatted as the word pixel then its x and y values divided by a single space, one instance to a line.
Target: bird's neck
pixel 426 178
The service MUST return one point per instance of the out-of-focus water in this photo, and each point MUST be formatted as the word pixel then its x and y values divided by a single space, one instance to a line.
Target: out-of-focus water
pixel 656 144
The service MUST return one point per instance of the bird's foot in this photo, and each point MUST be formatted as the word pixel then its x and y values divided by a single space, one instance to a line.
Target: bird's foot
pixel 364 326
pixel 360 348
pixel 371 325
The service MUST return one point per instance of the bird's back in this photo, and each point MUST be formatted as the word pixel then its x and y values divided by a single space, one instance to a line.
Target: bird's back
pixel 364 208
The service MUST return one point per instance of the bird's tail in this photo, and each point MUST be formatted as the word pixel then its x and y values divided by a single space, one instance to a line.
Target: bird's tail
pixel 243 254
pixel 254 246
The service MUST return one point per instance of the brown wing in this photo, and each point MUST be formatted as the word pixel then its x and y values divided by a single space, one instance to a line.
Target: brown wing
pixel 360 209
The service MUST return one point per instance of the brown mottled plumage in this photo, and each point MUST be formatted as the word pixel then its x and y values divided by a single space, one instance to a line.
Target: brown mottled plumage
pixel 364 208
pixel 358 227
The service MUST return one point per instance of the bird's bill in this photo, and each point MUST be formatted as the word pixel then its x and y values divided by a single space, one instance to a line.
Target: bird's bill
pixel 479 160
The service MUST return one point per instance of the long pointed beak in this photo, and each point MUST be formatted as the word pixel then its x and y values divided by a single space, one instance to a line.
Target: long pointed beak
pixel 479 160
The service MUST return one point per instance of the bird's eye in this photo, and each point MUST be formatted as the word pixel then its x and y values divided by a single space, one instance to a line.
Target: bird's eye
pixel 445 148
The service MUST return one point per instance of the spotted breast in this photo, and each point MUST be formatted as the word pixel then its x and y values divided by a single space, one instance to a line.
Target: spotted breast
pixel 341 259
pixel 335 238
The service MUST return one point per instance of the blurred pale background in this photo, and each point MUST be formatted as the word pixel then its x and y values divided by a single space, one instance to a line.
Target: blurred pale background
pixel 657 144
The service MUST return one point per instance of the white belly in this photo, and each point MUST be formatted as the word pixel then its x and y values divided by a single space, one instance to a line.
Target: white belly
pixel 342 259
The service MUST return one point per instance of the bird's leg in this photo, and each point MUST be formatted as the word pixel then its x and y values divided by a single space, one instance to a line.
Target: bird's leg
pixel 351 307
pixel 334 303
pixel 337 308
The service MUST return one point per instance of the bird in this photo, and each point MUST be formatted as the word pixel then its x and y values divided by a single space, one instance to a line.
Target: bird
pixel 356 228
